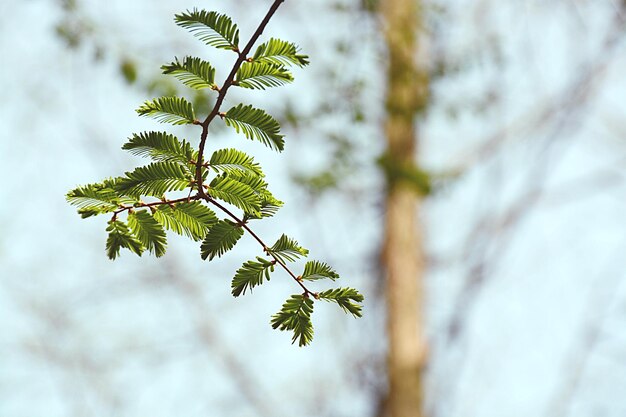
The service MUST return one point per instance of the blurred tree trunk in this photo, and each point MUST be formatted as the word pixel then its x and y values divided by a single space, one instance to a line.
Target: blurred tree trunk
pixel 403 251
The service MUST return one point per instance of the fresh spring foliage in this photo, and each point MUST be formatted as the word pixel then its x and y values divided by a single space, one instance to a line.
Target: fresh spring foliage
pixel 140 204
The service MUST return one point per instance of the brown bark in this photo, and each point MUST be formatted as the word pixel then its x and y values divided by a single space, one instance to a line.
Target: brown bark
pixel 403 251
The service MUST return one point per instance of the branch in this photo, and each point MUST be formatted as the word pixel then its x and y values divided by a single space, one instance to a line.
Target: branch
pixel 243 55
pixel 277 260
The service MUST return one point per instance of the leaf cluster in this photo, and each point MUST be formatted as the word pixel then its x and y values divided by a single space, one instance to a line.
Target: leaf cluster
pixel 178 190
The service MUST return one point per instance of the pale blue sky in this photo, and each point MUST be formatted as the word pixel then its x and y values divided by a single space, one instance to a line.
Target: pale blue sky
pixel 81 335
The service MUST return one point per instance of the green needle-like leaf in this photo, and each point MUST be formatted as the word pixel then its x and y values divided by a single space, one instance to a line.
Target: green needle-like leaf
pixel 193 72
pixel 212 28
pixel 155 180
pixel 161 147
pixel 120 237
pixel 236 193
pixel 148 231
pixel 251 274
pixel 279 52
pixel 315 270
pixel 260 75
pixel 295 315
pixel 221 238
pixel 346 298
pixel 174 110
pixel 230 160
pixel 255 124
pixel 287 249
pixel 192 219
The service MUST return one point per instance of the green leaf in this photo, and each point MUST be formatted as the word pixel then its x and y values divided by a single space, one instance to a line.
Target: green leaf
pixel 148 231
pixel 230 160
pixel 92 199
pixel 255 124
pixel 174 110
pixel 260 75
pixel 163 147
pixel 120 237
pixel 269 204
pixel 193 72
pixel 251 274
pixel 236 193
pixel 252 180
pixel 279 52
pixel 98 198
pixel 315 270
pixel 221 238
pixel 346 298
pixel 212 28
pixel 192 219
pixel 287 249
pixel 295 315
pixel 155 180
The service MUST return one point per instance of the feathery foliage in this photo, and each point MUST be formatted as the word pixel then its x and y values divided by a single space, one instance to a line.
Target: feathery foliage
pixel 236 193
pixel 260 75
pixel 162 147
pixel 94 199
pixel 120 237
pixel 316 270
pixel 346 298
pixel 193 72
pixel 255 124
pixel 154 180
pixel 229 176
pixel 212 28
pixel 295 315
pixel 230 160
pixel 222 237
pixel 192 219
pixel 287 249
pixel 174 110
pixel 251 274
pixel 279 52
pixel 148 231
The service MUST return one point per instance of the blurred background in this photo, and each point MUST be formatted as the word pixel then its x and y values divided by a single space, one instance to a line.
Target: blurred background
pixel 462 163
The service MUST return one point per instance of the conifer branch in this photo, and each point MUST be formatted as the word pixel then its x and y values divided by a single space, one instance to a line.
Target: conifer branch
pixel 241 58
pixel 237 179
pixel 242 223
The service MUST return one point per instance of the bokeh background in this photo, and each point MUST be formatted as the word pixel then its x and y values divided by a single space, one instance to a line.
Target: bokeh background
pixel 523 142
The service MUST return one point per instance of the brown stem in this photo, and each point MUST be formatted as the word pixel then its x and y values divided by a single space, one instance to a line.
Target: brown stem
pixel 157 203
pixel 242 223
pixel 242 56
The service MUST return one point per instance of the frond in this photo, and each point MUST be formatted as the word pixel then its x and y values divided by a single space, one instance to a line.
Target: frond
pixel 174 110
pixel 221 238
pixel 315 270
pixel 192 219
pixel 295 315
pixel 279 52
pixel 346 298
pixel 260 75
pixel 92 199
pixel 193 72
pixel 252 180
pixel 255 124
pixel 251 274
pixel 269 204
pixel 234 192
pixel 161 146
pixel 212 28
pixel 148 231
pixel 287 249
pixel 230 160
pixel 155 180
pixel 120 237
